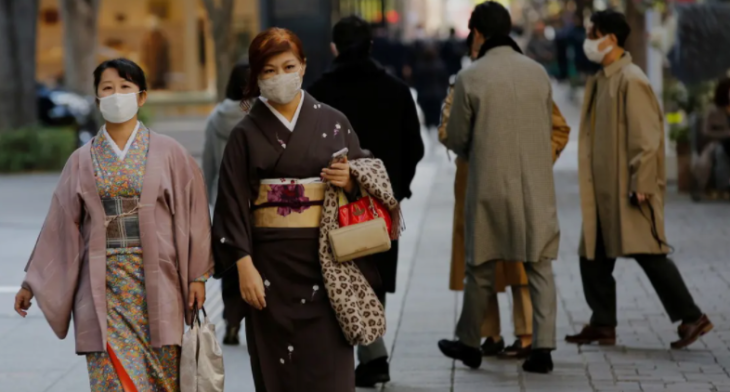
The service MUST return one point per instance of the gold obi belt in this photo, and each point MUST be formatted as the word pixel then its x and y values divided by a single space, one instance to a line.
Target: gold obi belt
pixel 289 203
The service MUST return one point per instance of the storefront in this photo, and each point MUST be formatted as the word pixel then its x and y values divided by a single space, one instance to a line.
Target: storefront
pixel 170 39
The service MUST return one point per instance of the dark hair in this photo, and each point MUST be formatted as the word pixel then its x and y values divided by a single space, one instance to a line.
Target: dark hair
pixel 611 22
pixel 490 18
pixel 469 43
pixel 269 43
pixel 237 82
pixel 353 37
pixel 722 93
pixel 128 70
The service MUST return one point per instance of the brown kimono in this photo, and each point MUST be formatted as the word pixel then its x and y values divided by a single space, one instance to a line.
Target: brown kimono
pixel 295 343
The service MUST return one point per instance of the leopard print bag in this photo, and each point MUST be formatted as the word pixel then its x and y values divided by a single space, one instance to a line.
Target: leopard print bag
pixel 359 312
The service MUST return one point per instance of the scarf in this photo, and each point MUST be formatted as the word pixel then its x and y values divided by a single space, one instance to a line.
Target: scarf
pixel 359 312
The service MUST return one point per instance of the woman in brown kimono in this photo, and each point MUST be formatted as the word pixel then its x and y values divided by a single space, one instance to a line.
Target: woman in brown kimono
pixel 125 247
pixel 267 219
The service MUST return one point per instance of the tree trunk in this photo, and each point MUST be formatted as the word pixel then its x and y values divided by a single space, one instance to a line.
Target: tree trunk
pixel 637 42
pixel 80 42
pixel 220 15
pixel 18 21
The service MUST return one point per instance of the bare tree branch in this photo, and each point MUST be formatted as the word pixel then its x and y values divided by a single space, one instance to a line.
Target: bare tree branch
pixel 18 21
pixel 220 16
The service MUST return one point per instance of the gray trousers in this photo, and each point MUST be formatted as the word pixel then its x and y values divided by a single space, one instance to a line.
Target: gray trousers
pixel 480 286
pixel 375 349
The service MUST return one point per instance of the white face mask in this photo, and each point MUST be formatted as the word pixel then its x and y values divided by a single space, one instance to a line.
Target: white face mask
pixel 590 47
pixel 119 108
pixel 281 89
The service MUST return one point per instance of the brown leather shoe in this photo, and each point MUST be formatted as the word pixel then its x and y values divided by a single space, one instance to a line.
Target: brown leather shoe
pixel 689 333
pixel 605 336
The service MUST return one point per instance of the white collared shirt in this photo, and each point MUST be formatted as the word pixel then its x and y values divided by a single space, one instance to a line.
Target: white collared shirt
pixel 121 154
pixel 290 125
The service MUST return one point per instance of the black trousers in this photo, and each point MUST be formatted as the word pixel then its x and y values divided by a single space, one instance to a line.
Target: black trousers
pixel 599 286
pixel 234 307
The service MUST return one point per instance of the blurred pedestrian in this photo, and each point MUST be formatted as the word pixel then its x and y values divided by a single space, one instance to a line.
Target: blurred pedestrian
pixel 219 126
pixel 622 184
pixel 125 249
pixel 500 122
pixel 389 53
pixel 714 143
pixel 452 52
pixel 381 110
pixel 507 274
pixel 539 47
pixel 221 122
pixel 431 81
pixel 284 166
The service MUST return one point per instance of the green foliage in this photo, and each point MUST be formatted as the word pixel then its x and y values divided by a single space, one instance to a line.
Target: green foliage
pixel 690 99
pixel 145 115
pixel 679 133
pixel 36 149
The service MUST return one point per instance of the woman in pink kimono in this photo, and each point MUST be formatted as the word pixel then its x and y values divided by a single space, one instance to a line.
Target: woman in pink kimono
pixel 125 247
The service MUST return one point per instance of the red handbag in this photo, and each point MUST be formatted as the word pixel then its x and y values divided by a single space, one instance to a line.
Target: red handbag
pixel 363 210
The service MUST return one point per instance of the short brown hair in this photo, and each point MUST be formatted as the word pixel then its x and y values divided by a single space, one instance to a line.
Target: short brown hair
pixel 267 44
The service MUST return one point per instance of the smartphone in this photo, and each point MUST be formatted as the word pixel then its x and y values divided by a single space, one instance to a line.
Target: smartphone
pixel 339 156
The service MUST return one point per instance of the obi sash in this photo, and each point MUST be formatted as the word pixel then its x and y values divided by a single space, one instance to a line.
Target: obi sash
pixel 289 203
pixel 122 222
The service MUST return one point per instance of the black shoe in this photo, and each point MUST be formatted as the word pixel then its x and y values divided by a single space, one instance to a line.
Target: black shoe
pixel 539 361
pixel 490 348
pixel 374 372
pixel 454 349
pixel 231 338
pixel 516 351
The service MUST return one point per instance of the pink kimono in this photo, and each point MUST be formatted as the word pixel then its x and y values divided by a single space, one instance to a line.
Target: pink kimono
pixel 128 306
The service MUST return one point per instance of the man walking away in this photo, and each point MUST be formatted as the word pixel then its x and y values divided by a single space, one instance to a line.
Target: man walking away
pixel 622 185
pixel 382 112
pixel 501 123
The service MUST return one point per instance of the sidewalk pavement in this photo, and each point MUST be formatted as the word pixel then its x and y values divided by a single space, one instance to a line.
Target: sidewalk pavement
pixel 424 311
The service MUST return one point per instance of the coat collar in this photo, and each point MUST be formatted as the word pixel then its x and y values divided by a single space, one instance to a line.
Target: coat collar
pixel 617 65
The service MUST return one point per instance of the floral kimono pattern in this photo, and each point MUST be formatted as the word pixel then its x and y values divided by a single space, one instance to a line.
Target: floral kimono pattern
pixel 130 363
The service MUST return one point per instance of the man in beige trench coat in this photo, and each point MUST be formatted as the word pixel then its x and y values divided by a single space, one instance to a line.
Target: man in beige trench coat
pixel 500 123
pixel 622 184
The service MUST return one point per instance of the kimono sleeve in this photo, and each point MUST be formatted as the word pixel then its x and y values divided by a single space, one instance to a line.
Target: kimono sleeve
pixel 232 215
pixel 52 273
pixel 459 128
pixel 645 133
pixel 200 261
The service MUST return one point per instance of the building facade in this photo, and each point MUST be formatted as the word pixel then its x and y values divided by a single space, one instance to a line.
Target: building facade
pixel 170 39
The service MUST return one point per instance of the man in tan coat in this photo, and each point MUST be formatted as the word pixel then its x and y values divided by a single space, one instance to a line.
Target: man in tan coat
pixel 622 185
pixel 501 124
pixel 507 274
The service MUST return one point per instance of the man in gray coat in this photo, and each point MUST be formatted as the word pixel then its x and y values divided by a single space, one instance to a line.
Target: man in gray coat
pixel 501 120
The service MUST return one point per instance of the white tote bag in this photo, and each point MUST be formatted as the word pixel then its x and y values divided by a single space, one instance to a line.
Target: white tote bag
pixel 201 363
